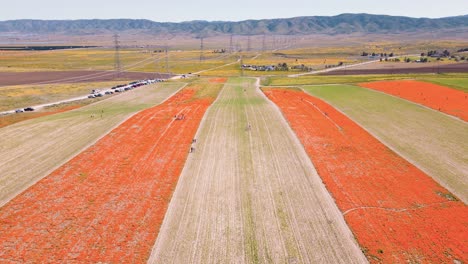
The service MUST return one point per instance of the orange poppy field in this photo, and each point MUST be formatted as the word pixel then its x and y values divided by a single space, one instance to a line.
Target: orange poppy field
pixel 396 212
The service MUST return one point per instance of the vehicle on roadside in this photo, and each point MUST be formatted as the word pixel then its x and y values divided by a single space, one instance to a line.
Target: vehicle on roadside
pixel 19 111
pixel 91 96
pixel 29 109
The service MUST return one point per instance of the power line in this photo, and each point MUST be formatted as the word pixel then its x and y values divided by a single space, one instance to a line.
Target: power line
pixel 202 56
pixel 117 65
pixel 167 59
pixel 231 47
pixel 264 43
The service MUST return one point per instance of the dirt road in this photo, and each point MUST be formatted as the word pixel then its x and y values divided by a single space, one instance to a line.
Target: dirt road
pixel 249 193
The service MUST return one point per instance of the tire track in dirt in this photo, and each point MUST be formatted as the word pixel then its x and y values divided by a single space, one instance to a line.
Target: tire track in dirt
pixel 250 194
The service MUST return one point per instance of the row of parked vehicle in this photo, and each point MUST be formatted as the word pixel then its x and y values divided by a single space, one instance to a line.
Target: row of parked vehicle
pixel 116 89
pixel 122 88
pixel 27 109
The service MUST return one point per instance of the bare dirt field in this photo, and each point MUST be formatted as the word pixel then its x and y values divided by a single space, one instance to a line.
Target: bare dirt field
pixel 33 148
pixel 402 68
pixel 19 78
pixel 249 193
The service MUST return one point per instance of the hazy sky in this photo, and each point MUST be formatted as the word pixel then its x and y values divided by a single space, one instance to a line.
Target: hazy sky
pixel 225 10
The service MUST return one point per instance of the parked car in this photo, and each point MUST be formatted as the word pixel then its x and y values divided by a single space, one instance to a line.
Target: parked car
pixel 29 109
pixel 19 111
pixel 91 96
pixel 99 95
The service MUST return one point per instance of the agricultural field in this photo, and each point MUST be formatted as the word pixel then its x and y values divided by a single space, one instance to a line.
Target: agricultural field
pixel 6 120
pixel 21 96
pixel 33 148
pixel 209 168
pixel 434 96
pixel 458 80
pixel 433 141
pixel 456 83
pixel 106 203
pixel 396 212
pixel 100 59
pixel 260 201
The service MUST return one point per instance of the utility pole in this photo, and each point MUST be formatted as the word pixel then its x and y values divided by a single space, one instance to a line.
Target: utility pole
pixel 231 47
pixel 241 64
pixel 264 43
pixel 167 59
pixel 202 56
pixel 117 65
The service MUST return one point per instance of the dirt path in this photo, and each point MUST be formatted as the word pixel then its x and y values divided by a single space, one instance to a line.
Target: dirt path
pixel 32 149
pixel 251 195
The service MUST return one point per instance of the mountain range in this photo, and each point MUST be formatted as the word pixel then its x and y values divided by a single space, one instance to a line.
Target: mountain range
pixel 340 24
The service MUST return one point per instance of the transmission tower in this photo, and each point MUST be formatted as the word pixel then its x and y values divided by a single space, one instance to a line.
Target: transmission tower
pixel 167 59
pixel 231 47
pixel 241 61
pixel 202 56
pixel 117 65
pixel 264 43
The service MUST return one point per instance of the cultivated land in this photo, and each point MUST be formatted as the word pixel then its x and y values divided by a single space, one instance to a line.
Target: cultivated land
pixel 21 96
pixel 52 77
pixel 458 80
pixel 397 213
pixel 106 204
pixel 33 148
pixel 435 142
pixel 251 195
pixel 439 98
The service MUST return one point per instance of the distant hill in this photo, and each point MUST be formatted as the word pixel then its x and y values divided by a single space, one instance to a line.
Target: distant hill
pixel 341 24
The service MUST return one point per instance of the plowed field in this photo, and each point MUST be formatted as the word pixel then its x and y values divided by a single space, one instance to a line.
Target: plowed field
pixel 441 98
pixel 397 213
pixel 107 203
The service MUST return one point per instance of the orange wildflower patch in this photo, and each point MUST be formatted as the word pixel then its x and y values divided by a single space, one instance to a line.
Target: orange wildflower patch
pixel 397 213
pixel 217 80
pixel 107 203
pixel 441 98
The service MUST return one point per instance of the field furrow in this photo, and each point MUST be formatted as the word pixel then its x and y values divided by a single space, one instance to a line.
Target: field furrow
pixel 249 193
pixel 32 149
pixel 440 98
pixel 107 203
pixel 397 213
pixel 434 142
